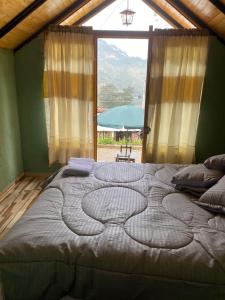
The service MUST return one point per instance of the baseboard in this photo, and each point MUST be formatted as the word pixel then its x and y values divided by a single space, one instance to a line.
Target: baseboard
pixel 38 174
pixel 9 187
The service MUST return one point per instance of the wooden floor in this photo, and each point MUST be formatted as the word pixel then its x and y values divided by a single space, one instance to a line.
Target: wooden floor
pixel 15 201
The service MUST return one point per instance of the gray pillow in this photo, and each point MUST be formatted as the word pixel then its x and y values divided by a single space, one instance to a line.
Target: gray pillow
pixel 216 162
pixel 194 190
pixel 197 176
pixel 214 198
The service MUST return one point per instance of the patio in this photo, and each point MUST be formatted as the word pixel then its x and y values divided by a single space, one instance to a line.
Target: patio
pixel 117 126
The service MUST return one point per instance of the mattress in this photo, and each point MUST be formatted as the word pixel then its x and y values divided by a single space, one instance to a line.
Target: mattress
pixel 124 232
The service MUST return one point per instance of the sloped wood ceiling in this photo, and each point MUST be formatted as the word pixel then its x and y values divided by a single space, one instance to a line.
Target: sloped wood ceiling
pixel 209 13
pixel 9 9
pixel 21 20
pixel 34 21
pixel 86 10
pixel 169 11
pixel 204 14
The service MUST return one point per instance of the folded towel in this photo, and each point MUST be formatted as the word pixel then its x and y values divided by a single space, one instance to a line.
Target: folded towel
pixel 81 161
pixel 81 164
pixel 78 167
pixel 69 171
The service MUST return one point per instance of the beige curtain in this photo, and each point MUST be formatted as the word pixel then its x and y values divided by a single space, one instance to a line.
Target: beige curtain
pixel 68 89
pixel 177 71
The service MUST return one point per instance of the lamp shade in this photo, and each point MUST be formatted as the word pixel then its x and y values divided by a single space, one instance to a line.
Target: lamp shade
pixel 127 16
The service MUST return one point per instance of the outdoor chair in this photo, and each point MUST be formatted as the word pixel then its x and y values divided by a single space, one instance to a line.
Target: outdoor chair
pixel 125 154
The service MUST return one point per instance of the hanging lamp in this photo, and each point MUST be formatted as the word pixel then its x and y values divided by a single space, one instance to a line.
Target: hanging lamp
pixel 127 15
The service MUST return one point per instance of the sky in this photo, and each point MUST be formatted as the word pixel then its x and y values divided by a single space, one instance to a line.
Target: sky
pixel 110 19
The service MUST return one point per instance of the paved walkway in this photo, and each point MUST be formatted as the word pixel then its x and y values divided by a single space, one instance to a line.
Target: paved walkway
pixel 108 153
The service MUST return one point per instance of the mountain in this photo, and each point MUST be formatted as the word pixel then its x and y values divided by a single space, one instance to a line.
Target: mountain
pixel 116 68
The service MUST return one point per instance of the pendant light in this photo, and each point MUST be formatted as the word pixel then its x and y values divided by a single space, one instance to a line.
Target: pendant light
pixel 127 15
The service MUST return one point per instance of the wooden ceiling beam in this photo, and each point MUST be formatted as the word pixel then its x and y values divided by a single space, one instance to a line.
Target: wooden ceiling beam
pixel 93 12
pixel 218 5
pixel 187 13
pixel 56 20
pixel 163 14
pixel 192 17
pixel 20 17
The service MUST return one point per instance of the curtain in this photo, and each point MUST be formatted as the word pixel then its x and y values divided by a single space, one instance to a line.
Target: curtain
pixel 69 92
pixel 176 74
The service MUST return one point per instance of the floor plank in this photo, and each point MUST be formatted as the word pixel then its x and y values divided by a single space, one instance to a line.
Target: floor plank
pixel 14 203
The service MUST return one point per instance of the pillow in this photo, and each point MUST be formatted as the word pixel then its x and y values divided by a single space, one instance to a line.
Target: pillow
pixel 194 190
pixel 216 162
pixel 197 176
pixel 214 198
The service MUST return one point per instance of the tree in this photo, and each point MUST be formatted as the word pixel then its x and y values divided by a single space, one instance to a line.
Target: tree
pixel 127 96
pixel 109 96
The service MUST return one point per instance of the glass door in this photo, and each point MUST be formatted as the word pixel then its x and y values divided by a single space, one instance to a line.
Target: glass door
pixel 121 88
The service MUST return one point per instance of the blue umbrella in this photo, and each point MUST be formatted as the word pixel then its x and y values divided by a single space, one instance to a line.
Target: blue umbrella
pixel 126 116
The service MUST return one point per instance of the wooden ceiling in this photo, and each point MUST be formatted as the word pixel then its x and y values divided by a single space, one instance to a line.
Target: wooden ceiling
pixel 88 10
pixel 22 20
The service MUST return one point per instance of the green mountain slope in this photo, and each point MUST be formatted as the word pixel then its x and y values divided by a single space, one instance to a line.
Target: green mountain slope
pixel 121 78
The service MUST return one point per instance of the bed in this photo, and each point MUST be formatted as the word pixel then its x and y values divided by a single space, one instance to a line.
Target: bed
pixel 124 232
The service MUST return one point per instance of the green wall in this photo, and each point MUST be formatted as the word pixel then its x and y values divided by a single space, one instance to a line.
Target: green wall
pixel 11 165
pixel 29 69
pixel 211 129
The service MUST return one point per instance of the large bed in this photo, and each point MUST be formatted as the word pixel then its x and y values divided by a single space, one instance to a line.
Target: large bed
pixel 124 232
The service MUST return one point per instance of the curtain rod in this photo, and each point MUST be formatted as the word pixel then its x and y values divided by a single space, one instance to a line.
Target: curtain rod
pixel 128 34
pixel 181 31
pixel 121 34
pixel 146 34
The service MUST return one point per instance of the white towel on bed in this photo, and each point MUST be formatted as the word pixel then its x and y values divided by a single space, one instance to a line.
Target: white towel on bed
pixel 81 161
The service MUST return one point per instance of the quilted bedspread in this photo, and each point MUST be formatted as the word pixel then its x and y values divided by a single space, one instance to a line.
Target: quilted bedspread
pixel 123 232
